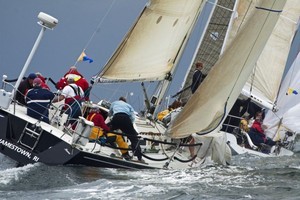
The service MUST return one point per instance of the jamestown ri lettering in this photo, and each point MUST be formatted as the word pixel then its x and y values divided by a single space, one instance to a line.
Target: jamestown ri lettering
pixel 15 148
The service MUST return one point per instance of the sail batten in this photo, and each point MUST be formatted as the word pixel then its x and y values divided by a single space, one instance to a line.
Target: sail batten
pixel 226 79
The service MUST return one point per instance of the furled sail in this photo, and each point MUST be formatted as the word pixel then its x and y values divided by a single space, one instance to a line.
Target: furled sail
pixel 263 85
pixel 213 100
pixel 155 42
pixel 210 47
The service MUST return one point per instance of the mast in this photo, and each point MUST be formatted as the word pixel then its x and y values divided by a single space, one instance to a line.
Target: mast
pixel 46 22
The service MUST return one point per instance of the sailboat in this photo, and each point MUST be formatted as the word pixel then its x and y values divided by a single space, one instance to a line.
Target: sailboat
pixel 156 42
pixel 262 86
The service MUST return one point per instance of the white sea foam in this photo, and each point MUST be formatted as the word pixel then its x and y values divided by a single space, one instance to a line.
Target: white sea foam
pixel 13 174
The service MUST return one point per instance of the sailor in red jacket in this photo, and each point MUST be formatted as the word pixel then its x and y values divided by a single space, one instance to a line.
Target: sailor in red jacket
pixel 78 78
pixel 256 132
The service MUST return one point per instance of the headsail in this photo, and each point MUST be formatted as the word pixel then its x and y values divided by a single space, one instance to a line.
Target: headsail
pixel 214 98
pixel 243 11
pixel 155 42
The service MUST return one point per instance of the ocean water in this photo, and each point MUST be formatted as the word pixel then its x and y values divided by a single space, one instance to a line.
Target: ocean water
pixel 248 177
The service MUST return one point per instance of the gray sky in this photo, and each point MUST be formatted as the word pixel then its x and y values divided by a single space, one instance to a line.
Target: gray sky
pixel 60 48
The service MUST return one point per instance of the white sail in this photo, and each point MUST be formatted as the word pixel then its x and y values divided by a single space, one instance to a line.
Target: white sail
pixel 291 118
pixel 243 11
pixel 288 113
pixel 214 98
pixel 154 44
pixel 265 81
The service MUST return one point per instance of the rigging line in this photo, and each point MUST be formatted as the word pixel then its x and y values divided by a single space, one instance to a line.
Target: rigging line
pixel 222 29
pixel 198 54
pixel 100 23
pixel 176 60
pixel 216 45
pixel 218 124
pixel 98 27
pixel 209 59
pixel 267 17
pixel 216 4
pixel 243 20
pixel 278 11
pixel 289 19
pixel 200 20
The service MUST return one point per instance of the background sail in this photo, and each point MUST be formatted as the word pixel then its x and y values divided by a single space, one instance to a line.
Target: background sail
pixel 288 104
pixel 207 107
pixel 267 75
pixel 150 49
pixel 210 48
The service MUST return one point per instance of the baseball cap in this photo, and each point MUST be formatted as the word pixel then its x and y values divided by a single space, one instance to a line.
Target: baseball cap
pixel 32 76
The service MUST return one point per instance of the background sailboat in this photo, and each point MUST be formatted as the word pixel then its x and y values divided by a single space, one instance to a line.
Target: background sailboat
pixel 262 86
pixel 212 101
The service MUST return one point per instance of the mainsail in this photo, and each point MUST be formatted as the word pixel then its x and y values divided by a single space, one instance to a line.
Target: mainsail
pixel 207 108
pixel 154 44
pixel 210 48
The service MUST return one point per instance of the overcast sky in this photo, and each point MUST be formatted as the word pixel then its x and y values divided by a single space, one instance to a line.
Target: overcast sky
pixel 60 48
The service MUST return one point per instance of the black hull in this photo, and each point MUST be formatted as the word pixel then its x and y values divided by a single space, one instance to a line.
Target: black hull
pixel 49 149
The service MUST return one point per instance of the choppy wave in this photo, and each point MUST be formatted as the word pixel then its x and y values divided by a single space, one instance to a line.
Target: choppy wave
pixel 248 177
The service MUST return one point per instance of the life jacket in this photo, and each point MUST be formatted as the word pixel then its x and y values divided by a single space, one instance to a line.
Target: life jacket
pixel 162 114
pixel 70 100
pixel 74 103
pixel 96 131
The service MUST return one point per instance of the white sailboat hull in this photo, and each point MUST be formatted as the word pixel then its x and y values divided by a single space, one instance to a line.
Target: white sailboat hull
pixel 238 149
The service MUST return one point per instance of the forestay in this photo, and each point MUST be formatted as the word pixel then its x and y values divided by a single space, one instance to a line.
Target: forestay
pixel 153 46
pixel 214 98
